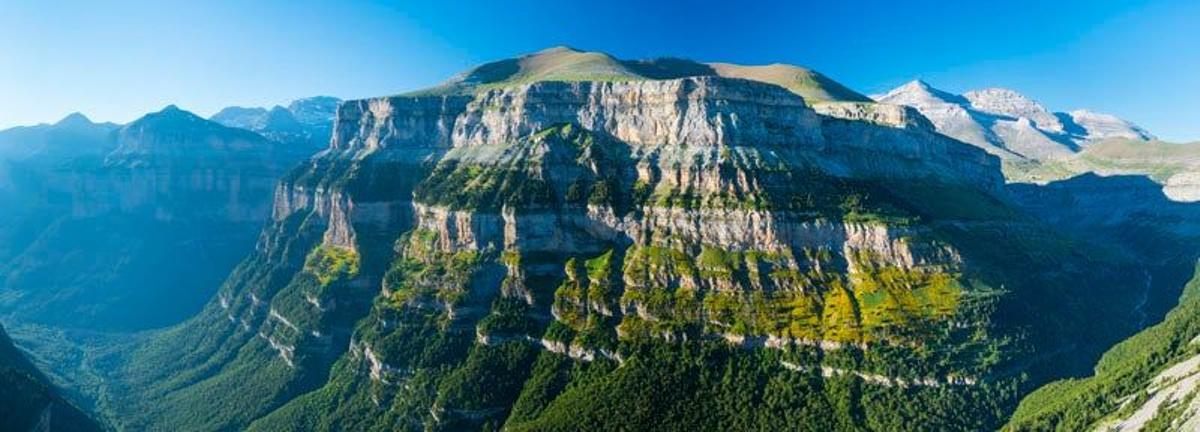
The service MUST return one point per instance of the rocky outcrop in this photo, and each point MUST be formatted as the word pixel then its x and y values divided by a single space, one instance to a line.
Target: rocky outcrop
pixel 884 114
pixel 694 111
pixel 651 116
pixel 588 232
pixel 675 130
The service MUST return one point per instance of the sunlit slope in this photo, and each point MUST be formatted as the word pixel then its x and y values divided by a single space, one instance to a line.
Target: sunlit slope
pixel 571 65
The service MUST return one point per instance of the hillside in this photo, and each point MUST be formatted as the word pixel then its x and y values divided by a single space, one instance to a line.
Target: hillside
pixel 810 85
pixel 27 400
pixel 571 65
pixel 1176 167
pixel 1147 382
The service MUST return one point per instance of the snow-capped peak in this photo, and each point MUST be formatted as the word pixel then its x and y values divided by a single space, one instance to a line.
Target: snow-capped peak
pixel 1098 126
pixel 1005 102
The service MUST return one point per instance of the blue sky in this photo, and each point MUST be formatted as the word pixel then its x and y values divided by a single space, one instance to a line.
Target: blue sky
pixel 115 60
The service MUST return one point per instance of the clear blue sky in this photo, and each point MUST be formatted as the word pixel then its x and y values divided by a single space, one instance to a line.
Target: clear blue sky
pixel 115 60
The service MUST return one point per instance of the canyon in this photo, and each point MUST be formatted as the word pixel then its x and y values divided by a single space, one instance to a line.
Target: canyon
pixel 530 244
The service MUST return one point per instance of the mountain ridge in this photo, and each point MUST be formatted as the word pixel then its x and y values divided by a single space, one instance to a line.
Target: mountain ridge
pixel 1009 124
pixel 307 121
pixel 103 218
pixel 570 64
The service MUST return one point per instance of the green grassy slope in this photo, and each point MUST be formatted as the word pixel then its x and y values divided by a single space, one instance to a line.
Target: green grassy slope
pixel 571 65
pixel 809 84
pixel 1158 159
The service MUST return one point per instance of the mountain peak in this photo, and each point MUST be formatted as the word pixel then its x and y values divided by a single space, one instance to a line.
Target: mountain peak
pixel 74 119
pixel 919 93
pixel 172 112
pixel 170 117
pixel 916 84
pixel 555 50
pixel 1010 103
pixel 1099 126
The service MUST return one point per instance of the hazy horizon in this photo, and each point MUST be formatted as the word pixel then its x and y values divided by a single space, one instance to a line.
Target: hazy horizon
pixel 70 57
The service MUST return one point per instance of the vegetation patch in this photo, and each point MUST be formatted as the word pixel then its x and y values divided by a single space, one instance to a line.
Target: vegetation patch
pixel 332 263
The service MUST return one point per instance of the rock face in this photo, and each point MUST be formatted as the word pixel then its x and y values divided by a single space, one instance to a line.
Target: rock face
pixel 657 118
pixel 1011 125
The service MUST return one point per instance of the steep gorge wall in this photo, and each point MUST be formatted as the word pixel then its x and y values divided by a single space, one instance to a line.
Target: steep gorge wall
pixel 676 130
pixel 446 204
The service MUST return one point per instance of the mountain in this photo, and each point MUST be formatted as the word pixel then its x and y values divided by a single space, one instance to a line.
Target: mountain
pixel 72 136
pixel 1011 125
pixel 811 85
pixel 1176 167
pixel 572 65
pixel 1096 126
pixel 29 154
pixel 569 241
pixel 28 402
pixel 129 227
pixel 307 122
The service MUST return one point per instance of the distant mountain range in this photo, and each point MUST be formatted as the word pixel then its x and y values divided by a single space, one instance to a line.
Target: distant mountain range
pixel 131 226
pixel 308 120
pixel 109 227
pixel 1011 125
